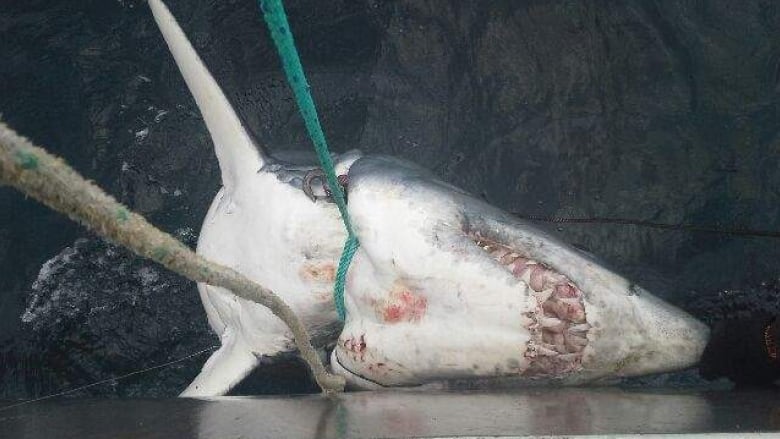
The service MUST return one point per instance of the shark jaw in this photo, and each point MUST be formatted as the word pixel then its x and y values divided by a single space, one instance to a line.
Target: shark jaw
pixel 443 287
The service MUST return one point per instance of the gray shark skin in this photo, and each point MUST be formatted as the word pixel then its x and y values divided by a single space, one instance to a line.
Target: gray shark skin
pixel 444 286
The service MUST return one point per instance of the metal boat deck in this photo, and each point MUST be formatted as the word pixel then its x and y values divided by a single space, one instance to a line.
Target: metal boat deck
pixel 517 413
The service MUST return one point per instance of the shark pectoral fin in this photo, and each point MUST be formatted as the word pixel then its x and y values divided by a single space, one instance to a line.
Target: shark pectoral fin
pixel 224 369
pixel 239 156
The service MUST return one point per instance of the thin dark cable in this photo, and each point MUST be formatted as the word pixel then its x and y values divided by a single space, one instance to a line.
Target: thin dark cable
pixel 138 372
pixel 642 223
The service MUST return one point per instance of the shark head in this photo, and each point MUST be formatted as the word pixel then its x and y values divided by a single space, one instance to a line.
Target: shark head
pixel 447 286
pixel 444 286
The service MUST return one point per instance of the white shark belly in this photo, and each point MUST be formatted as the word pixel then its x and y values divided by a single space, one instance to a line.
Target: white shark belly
pixel 283 242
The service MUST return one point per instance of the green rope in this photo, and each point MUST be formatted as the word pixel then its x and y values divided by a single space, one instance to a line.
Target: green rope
pixel 276 19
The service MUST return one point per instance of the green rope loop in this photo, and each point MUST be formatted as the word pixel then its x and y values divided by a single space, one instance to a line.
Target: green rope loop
pixel 350 247
pixel 276 19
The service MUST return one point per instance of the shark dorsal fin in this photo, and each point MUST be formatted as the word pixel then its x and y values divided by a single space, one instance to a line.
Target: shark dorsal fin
pixel 238 155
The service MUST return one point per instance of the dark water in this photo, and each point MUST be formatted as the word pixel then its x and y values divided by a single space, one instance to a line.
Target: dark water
pixel 661 112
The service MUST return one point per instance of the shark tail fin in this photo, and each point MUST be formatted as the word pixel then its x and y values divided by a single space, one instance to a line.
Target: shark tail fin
pixel 238 155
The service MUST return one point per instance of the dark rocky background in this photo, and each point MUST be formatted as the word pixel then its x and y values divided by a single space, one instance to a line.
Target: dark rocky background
pixel 665 111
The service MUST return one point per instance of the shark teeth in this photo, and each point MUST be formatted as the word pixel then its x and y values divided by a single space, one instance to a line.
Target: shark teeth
pixel 581 328
pixel 557 323
pixel 543 296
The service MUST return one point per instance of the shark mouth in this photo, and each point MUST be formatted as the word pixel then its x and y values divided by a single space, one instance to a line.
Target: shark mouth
pixel 557 323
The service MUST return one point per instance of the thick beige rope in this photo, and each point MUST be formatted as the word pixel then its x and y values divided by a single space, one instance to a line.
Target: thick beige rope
pixel 51 181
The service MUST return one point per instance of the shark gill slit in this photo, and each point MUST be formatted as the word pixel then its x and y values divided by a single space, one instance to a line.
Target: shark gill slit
pixel 557 322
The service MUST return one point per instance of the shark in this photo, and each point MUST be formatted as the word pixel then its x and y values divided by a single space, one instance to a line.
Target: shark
pixel 444 287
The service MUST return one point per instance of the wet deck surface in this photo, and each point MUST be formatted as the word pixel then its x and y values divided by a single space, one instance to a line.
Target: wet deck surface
pixel 403 414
